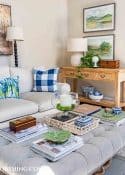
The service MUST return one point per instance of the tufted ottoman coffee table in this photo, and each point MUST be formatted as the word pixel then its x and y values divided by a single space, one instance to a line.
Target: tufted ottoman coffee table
pixel 100 145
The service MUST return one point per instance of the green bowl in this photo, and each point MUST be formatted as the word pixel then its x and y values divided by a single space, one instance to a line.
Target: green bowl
pixel 65 108
pixel 60 136
pixel 108 114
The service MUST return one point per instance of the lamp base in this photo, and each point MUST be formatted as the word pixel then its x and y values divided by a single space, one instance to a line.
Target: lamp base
pixel 15 53
pixel 76 59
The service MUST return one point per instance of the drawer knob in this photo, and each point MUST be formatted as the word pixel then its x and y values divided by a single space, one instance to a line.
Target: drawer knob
pixel 86 74
pixel 102 76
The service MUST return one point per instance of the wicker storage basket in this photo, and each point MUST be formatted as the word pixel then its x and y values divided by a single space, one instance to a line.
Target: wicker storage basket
pixel 70 126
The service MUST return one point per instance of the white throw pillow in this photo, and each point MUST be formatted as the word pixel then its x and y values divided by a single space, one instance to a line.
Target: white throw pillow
pixel 4 72
pixel 25 78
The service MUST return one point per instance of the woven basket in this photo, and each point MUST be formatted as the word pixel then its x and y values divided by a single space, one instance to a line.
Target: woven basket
pixel 102 170
pixel 107 164
pixel 70 126
pixel 81 130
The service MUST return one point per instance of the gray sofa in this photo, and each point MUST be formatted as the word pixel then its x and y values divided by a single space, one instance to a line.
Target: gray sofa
pixel 29 102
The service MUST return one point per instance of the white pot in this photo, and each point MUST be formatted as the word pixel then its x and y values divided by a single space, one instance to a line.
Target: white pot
pixel 96 97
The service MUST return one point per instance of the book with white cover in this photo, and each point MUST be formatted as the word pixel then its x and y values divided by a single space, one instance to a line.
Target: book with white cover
pixel 23 135
pixel 54 151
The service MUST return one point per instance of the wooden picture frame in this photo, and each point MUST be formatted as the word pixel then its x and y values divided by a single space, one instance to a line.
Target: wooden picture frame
pixel 6 47
pixel 99 18
pixel 102 45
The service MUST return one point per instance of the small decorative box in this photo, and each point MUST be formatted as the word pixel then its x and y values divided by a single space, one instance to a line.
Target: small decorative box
pixel 23 123
pixel 114 64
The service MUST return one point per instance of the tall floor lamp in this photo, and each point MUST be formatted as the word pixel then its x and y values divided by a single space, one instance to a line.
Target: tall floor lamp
pixel 15 34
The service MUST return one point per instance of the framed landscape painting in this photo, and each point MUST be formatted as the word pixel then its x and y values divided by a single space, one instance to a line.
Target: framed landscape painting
pixel 102 45
pixel 99 18
pixel 5 21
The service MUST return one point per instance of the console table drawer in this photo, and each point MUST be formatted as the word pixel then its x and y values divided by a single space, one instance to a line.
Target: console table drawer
pixel 88 75
pixel 98 76
pixel 69 73
pixel 91 75
pixel 105 76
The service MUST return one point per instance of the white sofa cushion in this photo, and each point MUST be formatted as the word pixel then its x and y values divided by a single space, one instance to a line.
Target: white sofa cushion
pixel 25 78
pixel 43 99
pixel 4 72
pixel 13 108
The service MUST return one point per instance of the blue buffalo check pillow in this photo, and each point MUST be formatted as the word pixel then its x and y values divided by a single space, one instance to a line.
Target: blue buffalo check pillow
pixel 45 80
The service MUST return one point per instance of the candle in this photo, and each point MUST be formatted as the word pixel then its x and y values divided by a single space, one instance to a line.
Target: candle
pixel 66 100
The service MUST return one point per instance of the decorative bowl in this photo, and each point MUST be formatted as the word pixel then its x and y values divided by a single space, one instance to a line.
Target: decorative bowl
pixel 96 97
pixel 65 108
pixel 87 89
pixel 60 136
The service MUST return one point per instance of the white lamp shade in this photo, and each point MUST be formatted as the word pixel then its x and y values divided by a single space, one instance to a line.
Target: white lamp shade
pixel 14 33
pixel 77 45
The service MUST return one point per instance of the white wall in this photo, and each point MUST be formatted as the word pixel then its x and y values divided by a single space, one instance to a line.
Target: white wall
pixel 75 29
pixel 75 23
pixel 44 24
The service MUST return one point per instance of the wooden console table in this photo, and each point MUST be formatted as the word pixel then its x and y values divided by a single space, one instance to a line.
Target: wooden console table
pixel 116 76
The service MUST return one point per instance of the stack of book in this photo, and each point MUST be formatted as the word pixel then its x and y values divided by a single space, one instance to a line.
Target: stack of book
pixel 54 151
pixel 110 118
pixel 23 135
pixel 87 109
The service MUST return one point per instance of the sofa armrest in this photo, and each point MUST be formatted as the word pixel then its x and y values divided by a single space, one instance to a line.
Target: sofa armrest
pixel 62 87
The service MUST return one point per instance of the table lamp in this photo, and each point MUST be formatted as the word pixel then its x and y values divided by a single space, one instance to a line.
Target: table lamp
pixel 77 46
pixel 15 34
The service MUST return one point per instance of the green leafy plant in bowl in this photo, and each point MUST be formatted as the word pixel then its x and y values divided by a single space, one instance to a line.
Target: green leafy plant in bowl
pixel 58 137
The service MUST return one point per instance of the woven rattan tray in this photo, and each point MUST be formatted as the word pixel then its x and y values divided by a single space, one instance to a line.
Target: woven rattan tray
pixel 70 126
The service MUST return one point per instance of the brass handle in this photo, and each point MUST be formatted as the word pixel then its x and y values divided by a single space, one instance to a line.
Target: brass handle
pixel 71 73
pixel 102 76
pixel 86 75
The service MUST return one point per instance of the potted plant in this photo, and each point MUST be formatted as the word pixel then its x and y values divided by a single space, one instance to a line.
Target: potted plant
pixel 86 61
